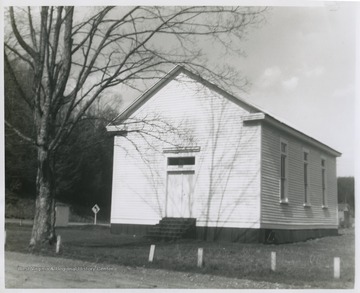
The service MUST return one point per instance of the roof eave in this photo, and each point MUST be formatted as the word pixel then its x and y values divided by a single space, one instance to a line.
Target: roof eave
pixel 167 78
pixel 263 117
pixel 147 94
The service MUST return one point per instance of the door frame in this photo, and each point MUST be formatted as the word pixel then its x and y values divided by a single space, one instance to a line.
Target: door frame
pixel 167 191
pixel 179 152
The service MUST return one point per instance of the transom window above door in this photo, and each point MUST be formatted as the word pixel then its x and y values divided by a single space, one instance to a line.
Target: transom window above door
pixel 181 161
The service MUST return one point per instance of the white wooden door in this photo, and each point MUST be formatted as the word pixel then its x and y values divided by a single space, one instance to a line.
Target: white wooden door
pixel 180 194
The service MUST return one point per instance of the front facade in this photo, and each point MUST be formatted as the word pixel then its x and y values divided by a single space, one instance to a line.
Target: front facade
pixel 187 149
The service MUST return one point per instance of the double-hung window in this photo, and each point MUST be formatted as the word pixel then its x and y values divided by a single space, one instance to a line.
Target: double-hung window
pixel 323 182
pixel 283 171
pixel 306 177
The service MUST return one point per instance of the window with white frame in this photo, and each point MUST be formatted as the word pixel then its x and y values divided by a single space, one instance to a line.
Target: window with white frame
pixel 323 182
pixel 283 171
pixel 306 177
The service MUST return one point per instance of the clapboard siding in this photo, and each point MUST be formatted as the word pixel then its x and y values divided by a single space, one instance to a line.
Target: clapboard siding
pixel 294 214
pixel 227 171
pixel 129 178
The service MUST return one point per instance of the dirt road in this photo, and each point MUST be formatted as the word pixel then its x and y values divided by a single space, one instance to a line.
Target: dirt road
pixel 30 271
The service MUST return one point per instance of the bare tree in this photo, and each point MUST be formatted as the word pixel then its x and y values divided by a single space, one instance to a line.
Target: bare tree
pixel 75 55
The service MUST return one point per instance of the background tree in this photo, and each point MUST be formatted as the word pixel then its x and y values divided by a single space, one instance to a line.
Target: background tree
pixel 75 55
pixel 20 159
pixel 82 165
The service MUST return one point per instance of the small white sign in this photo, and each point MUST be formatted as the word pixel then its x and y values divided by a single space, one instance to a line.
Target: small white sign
pixel 95 209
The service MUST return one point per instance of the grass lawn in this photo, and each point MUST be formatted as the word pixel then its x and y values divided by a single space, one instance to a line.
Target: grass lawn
pixel 307 264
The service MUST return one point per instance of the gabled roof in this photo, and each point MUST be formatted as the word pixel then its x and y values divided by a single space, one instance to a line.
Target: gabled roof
pixel 257 114
pixel 171 75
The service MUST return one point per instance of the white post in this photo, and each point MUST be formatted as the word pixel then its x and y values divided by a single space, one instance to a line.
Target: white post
pixel 95 219
pixel 58 243
pixel 5 238
pixel 337 267
pixel 200 261
pixel 152 252
pixel 273 261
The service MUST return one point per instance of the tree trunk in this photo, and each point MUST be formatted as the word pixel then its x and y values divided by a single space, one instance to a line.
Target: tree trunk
pixel 43 232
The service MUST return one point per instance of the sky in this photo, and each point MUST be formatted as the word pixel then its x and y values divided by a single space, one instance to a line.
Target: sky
pixel 301 65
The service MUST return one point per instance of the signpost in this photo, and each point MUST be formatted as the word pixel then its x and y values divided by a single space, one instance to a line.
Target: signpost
pixel 95 210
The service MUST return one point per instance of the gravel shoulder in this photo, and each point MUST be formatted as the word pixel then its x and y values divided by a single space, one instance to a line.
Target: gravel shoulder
pixel 31 271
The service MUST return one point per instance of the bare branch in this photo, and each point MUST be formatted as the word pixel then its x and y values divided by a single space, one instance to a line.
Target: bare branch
pixel 107 52
pixel 28 61
pixel 96 19
pixel 32 30
pixel 18 36
pixel 20 134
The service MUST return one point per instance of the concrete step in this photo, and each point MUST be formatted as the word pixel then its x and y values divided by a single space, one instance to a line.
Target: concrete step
pixel 172 228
